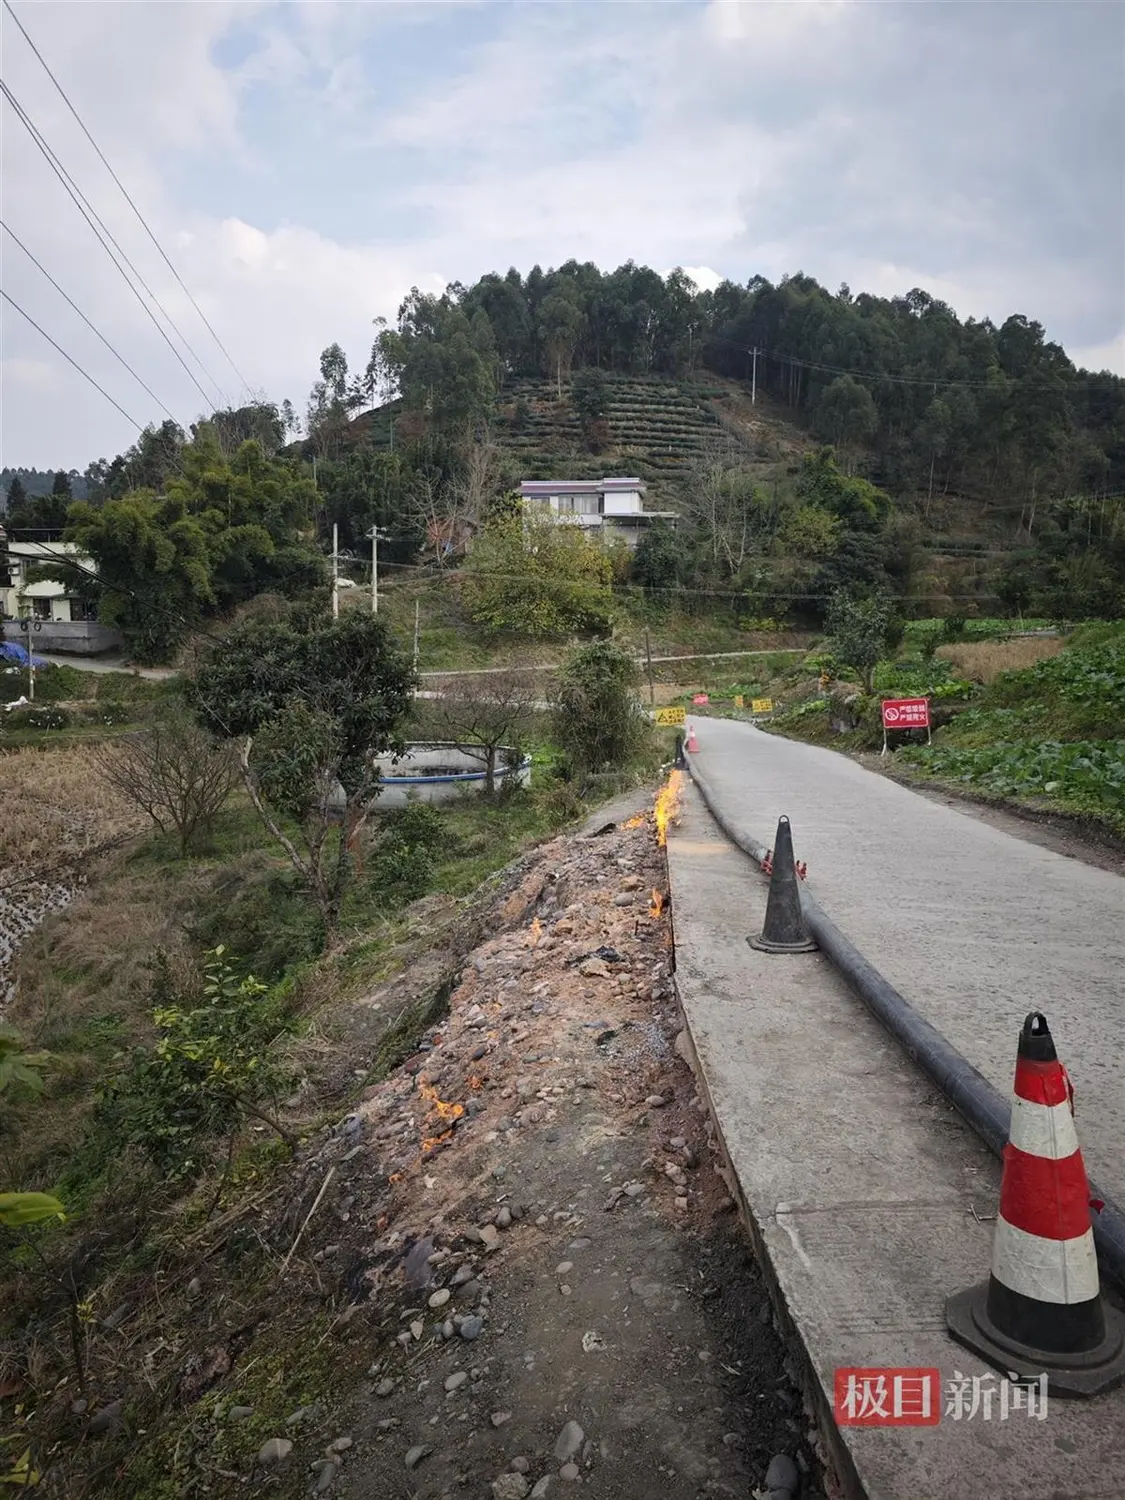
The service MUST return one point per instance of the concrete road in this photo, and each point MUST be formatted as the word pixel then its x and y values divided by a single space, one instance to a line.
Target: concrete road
pixel 973 926
pixel 105 664
pixel 869 1200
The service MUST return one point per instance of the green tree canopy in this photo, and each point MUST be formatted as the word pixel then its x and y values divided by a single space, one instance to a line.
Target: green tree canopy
pixel 218 532
pixel 530 575
pixel 598 718
pixel 310 701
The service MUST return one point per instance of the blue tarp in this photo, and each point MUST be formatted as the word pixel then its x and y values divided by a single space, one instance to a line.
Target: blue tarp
pixel 17 655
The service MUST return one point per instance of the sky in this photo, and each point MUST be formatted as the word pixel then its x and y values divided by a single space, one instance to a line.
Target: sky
pixel 304 165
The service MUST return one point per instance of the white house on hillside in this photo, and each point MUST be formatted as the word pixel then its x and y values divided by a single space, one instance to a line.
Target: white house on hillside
pixel 610 508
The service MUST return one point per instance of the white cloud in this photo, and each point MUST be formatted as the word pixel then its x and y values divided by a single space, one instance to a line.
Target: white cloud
pixel 306 165
pixel 33 375
pixel 1107 356
pixel 703 276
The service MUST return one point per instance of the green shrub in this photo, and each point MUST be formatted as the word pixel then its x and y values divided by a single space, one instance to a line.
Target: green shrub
pixel 598 719
pixel 270 923
pixel 53 684
pixel 406 854
pixel 954 627
pixel 210 1068
pixel 45 717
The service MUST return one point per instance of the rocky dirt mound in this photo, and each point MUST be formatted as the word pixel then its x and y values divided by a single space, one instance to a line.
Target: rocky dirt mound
pixel 529 1274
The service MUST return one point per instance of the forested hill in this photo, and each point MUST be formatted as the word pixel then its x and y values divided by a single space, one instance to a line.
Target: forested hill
pixel 36 483
pixel 810 442
pixel 936 401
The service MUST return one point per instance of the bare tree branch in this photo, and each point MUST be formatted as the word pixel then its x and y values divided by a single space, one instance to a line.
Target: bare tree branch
pixel 175 772
pixel 487 712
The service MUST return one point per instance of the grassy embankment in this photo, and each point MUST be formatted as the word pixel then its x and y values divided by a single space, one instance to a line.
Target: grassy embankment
pixel 85 991
pixel 1034 722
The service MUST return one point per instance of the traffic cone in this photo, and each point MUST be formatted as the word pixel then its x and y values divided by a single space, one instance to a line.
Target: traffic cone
pixel 784 929
pixel 692 745
pixel 1041 1310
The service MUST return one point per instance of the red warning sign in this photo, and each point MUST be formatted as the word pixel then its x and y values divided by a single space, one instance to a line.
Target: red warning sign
pixel 906 713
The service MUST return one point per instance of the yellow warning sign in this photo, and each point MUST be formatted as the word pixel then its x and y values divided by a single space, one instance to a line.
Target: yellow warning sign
pixel 668 718
pixel 761 705
pixel 739 701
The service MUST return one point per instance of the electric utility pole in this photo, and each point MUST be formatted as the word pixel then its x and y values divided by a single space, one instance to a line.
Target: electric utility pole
pixel 375 536
pixel 335 571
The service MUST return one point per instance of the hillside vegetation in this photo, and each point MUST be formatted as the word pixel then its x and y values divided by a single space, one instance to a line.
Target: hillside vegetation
pixel 809 442
pixel 1002 465
pixel 1051 733
pixel 1032 720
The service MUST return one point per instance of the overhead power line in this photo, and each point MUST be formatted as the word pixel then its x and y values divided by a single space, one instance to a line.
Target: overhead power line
pixel 105 239
pixel 128 199
pixel 68 359
pixel 70 301
pixel 944 381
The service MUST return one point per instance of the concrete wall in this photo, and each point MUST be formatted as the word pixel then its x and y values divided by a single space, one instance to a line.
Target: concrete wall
pixel 412 777
pixel 622 503
pixel 438 772
pixel 72 637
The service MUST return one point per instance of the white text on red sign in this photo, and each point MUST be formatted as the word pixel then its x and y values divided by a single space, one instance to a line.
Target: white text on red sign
pixel 906 713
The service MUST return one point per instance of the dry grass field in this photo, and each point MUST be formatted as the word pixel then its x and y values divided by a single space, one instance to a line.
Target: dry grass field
pixel 56 807
pixel 983 661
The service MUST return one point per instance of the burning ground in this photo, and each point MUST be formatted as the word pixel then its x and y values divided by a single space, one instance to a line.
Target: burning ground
pixel 513 1269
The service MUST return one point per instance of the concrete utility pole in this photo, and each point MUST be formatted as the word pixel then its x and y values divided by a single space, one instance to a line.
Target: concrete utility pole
pixel 754 379
pixel 375 536
pixel 417 608
pixel 335 572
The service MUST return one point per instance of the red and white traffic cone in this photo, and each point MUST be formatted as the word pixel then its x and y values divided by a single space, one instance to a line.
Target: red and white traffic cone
pixel 692 744
pixel 1041 1309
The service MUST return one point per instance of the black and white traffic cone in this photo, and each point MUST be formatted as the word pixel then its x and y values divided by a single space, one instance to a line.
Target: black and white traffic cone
pixel 1041 1310
pixel 784 929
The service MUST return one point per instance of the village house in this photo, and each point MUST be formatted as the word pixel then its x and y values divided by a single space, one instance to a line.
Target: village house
pixel 56 615
pixel 608 508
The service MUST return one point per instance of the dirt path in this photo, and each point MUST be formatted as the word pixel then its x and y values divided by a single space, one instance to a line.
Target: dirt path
pixel 581 1305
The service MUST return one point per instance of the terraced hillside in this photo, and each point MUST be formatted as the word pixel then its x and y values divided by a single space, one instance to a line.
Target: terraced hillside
pixel 657 428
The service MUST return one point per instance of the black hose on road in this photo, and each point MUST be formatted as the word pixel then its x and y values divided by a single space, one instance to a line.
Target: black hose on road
pixel 967 1089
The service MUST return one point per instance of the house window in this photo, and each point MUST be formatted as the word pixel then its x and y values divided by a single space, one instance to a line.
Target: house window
pixel 82 609
pixel 41 609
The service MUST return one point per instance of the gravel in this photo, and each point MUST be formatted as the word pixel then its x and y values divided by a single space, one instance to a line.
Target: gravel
pixel 510 1487
pixel 782 1473
pixel 569 1441
pixel 274 1450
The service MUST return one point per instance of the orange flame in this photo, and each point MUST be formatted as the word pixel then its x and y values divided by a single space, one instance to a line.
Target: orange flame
pixel 668 805
pixel 634 822
pixel 444 1111
pixel 657 905
pixel 438 1106
pixel 535 932
pixel 395 1177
